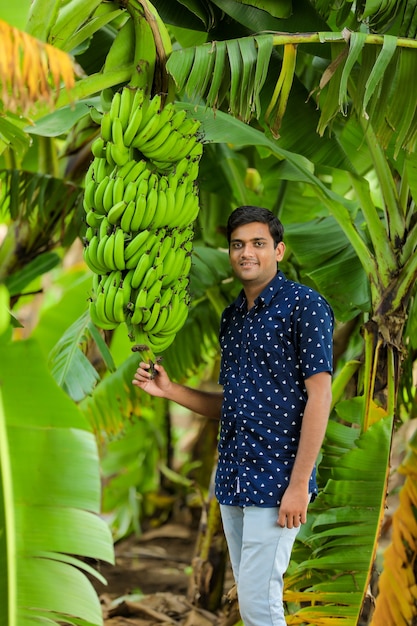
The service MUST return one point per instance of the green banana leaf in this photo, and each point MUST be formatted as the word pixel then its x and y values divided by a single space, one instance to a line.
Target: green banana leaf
pixel 69 355
pixel 334 551
pixel 331 264
pixel 50 498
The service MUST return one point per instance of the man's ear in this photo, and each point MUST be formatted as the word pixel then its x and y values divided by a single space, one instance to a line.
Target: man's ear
pixel 280 251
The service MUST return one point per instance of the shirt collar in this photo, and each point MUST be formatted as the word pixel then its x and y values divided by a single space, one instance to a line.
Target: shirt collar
pixel 266 295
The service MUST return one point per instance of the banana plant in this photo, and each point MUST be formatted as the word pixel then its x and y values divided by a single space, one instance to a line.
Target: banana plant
pixel 50 485
pixel 265 80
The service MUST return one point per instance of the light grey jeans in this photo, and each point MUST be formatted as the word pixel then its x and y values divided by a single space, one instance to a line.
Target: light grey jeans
pixel 260 552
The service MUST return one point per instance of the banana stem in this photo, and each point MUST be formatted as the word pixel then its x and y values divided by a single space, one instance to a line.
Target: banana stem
pixel 145 48
pixel 394 216
pixel 383 252
pixel 153 46
pixel 334 37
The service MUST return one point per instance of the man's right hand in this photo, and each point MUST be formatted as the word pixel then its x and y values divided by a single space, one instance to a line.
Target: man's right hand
pixel 156 383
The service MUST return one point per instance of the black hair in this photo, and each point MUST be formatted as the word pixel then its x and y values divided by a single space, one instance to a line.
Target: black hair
pixel 247 214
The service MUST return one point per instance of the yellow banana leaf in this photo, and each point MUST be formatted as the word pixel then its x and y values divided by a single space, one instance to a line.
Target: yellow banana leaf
pixel 396 600
pixel 30 70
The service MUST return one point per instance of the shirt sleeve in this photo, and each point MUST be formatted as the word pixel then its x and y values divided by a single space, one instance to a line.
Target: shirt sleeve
pixel 313 327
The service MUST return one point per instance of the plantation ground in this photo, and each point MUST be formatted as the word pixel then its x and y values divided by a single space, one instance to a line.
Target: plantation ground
pixel 148 584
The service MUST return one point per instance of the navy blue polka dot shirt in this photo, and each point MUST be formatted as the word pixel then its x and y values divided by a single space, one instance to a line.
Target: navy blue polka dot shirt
pixel 267 353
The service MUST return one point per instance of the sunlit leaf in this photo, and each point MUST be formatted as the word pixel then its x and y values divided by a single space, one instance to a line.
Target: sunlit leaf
pixel 41 509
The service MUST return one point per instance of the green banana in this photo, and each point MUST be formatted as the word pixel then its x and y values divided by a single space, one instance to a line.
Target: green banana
pixel 174 260
pixel 159 343
pixel 149 128
pixel 150 106
pixel 166 296
pixel 108 195
pixel 133 261
pixel 89 175
pixel 130 191
pixel 151 202
pixel 126 99
pixel 93 218
pixel 161 320
pixel 182 167
pixel 141 268
pixel 179 313
pixel 90 255
pixel 119 249
pixel 118 304
pixel 99 194
pixel 186 267
pixel 88 200
pixel 137 169
pixel 98 147
pixel 126 219
pixel 154 309
pixel 160 210
pixel 118 190
pixel 138 100
pixel 169 146
pixel 139 308
pixel 89 233
pixel 117 133
pixel 180 194
pixel 183 147
pixel 110 293
pixel 105 227
pixel 141 206
pixel 193 169
pixel 133 126
pixel 190 126
pixel 127 287
pixel 178 119
pixel 153 293
pixel 100 252
pixel 124 171
pixel 138 243
pixel 137 315
pixel 106 127
pixel 100 169
pixel 119 154
pixel 115 106
pixel 108 253
pixel 102 297
pixel 98 321
pixel 189 210
pixel 155 148
pixel 152 141
pixel 170 207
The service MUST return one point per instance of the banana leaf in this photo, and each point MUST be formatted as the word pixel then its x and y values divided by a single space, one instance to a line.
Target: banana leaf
pixel 50 498
pixel 396 600
pixel 334 550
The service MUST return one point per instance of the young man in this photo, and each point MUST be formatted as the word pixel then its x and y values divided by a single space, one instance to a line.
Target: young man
pixel 276 364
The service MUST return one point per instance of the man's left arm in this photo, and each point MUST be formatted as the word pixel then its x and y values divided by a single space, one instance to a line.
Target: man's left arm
pixel 294 503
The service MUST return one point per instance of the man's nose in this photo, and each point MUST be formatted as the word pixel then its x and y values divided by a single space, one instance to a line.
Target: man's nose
pixel 247 250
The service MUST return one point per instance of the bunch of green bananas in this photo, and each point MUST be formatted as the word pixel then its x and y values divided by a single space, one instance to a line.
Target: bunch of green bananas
pixel 140 202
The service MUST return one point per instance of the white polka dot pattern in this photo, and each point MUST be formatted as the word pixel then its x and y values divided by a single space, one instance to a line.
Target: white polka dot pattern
pixel 267 353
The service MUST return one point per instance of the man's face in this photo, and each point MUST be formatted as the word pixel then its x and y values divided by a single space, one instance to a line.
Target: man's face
pixel 252 254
